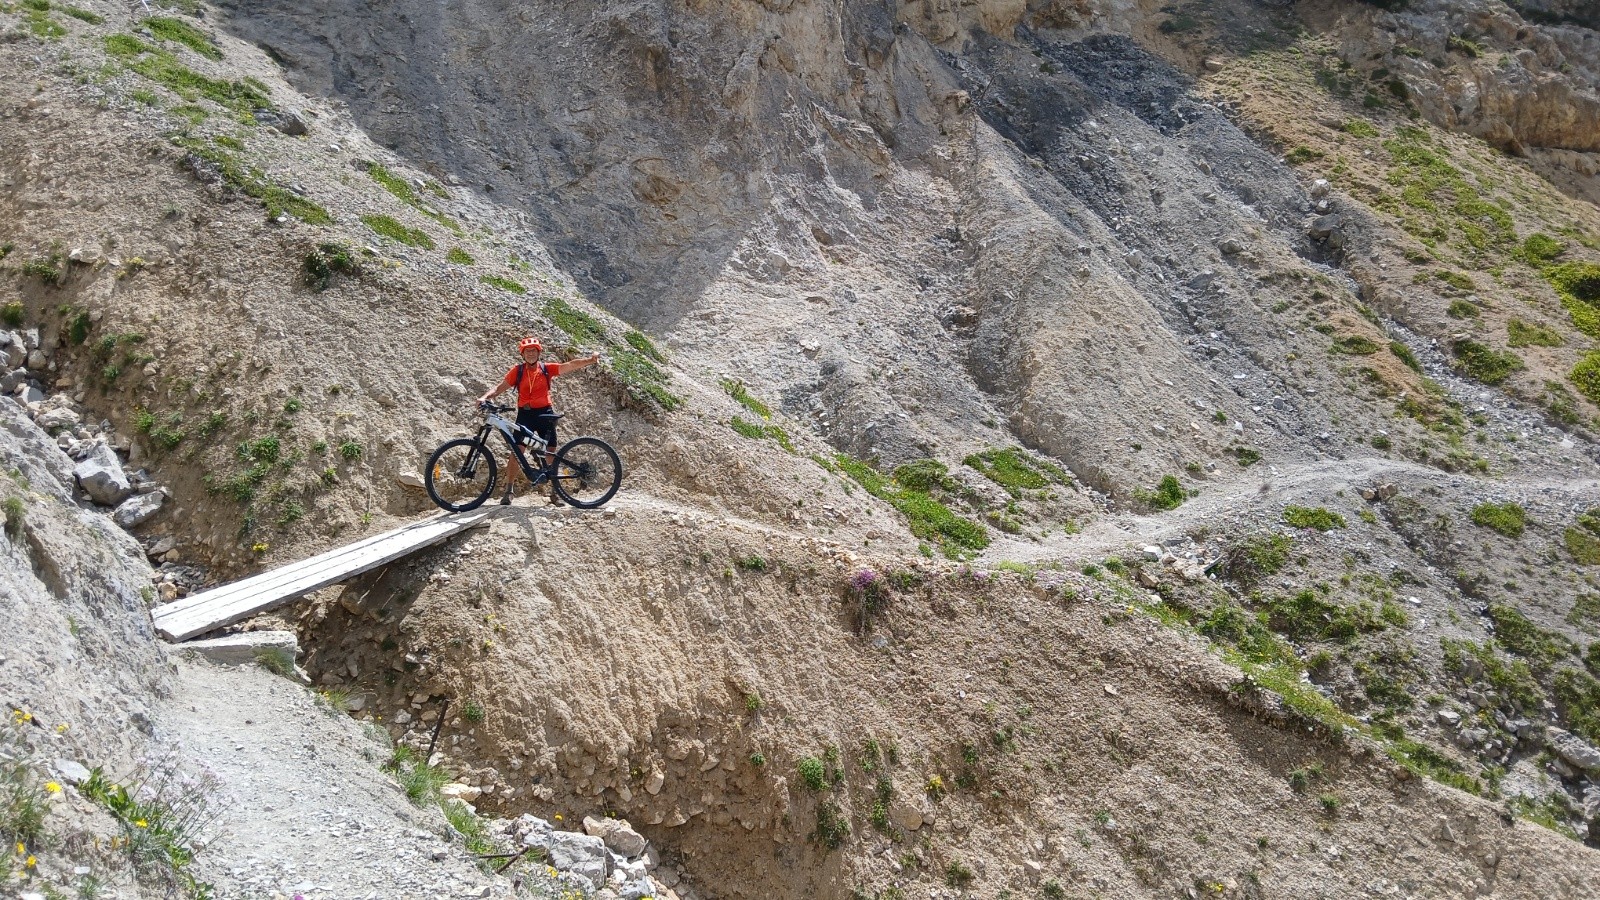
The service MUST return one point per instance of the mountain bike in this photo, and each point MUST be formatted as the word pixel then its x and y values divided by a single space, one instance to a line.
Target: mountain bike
pixel 462 473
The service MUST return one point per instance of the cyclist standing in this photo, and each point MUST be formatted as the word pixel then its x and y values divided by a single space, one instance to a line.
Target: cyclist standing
pixel 531 378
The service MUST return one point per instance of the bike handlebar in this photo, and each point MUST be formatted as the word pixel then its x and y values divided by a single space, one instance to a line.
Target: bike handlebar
pixel 486 406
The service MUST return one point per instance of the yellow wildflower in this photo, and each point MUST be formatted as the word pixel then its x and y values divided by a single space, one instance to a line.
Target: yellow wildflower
pixel 32 861
pixel 52 787
pixel 141 823
pixel 22 849
pixel 558 817
pixel 62 728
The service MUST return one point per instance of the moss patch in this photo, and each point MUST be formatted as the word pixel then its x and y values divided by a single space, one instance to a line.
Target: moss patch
pixel 394 231
pixel 928 518
pixel 1312 517
pixel 1483 363
pixel 1014 471
pixel 251 182
pixel 1508 519
pixel 1524 334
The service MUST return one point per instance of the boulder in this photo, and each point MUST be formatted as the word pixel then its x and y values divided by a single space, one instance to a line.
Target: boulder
pixel 639 888
pixel 102 477
pixel 1327 230
pixel 455 790
pixel 906 815
pixel 617 834
pixel 138 509
pixel 53 420
pixel 580 854
pixel 1573 749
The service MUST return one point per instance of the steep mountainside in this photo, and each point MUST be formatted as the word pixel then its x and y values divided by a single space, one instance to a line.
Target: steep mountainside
pixel 1074 447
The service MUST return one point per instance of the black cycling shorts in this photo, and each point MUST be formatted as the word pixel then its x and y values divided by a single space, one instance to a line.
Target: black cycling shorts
pixel 528 417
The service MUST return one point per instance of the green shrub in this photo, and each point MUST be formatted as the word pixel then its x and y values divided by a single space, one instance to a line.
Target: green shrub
pixel 1514 632
pixel 813 773
pixel 927 518
pixel 1539 249
pixel 394 231
pixel 1232 626
pixel 504 284
pixel 1455 279
pixel 638 341
pixel 1585 376
pixel 326 261
pixel 12 314
pixel 833 829
pixel 1246 456
pixel 1308 616
pixel 1578 284
pixel 1404 354
pixel 1014 471
pixel 1355 345
pixel 581 327
pixel 925 475
pixel 1168 494
pixel 1584 547
pixel 1507 518
pixel 15 515
pixel 1523 334
pixel 51 269
pixel 735 388
pixel 1312 517
pixel 1484 364
pixel 957 875
pixel 251 182
pixel 473 712
pixel 403 191
pixel 1461 309
pixel 1360 128
pixel 1302 155
pixel 350 450
pixel 1256 557
pixel 242 97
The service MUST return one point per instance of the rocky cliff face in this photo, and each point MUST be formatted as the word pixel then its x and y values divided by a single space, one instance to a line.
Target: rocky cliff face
pixel 1320 366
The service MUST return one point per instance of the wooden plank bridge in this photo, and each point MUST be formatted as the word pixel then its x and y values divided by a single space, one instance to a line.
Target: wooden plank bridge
pixel 201 612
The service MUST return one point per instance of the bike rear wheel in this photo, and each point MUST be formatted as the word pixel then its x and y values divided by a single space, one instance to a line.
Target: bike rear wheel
pixel 461 474
pixel 587 472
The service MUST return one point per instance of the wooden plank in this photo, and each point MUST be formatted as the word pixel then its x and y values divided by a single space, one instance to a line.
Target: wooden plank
pixel 224 605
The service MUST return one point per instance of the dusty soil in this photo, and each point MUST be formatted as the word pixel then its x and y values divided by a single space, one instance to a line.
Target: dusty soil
pixel 983 226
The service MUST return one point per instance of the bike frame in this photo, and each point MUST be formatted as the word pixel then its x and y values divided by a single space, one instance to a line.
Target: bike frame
pixel 511 431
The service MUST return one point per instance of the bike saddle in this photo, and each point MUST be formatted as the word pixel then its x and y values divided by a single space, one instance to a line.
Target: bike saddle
pixel 548 417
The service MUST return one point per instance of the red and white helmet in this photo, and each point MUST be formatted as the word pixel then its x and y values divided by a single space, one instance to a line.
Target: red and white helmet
pixel 529 343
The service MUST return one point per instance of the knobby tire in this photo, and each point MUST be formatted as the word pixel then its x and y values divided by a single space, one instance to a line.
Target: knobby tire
pixel 461 474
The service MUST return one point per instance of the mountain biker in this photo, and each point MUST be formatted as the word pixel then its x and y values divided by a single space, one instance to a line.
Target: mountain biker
pixel 531 378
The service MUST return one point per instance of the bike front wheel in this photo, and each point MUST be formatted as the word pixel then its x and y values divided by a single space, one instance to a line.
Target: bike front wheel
pixel 461 474
pixel 587 472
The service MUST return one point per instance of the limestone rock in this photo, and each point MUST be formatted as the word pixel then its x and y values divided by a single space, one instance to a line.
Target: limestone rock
pixel 138 509
pixel 1575 750
pixel 102 477
pixel 905 815
pixel 245 648
pixel 580 854
pixel 617 834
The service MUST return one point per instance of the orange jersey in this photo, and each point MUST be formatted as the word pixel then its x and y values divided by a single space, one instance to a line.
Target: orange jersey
pixel 534 391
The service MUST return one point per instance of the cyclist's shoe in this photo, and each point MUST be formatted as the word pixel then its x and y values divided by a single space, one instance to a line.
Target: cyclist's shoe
pixel 555 499
pixel 505 499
